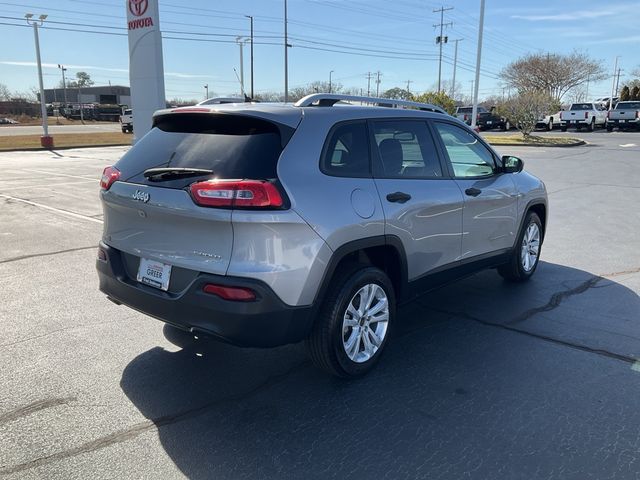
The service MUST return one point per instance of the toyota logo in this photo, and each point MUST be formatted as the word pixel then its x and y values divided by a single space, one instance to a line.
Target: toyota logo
pixel 138 7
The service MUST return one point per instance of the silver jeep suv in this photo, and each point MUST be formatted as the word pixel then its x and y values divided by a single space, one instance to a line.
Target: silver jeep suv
pixel 266 224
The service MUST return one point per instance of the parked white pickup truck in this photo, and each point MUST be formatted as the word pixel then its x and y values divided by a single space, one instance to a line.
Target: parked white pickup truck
pixel 549 122
pixel 625 115
pixel 588 115
pixel 126 121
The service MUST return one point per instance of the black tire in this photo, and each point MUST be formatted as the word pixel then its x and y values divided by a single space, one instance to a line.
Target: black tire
pixel 563 129
pixel 592 125
pixel 609 128
pixel 550 124
pixel 124 130
pixel 513 270
pixel 325 342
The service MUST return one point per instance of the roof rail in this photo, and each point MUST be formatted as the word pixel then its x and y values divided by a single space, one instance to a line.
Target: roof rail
pixel 330 99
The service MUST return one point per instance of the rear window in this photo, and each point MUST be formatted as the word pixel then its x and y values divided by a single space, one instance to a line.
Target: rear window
pixel 582 106
pixel 628 106
pixel 233 146
pixel 127 112
pixel 465 110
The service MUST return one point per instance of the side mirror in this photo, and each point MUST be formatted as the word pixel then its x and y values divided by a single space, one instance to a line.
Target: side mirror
pixel 512 164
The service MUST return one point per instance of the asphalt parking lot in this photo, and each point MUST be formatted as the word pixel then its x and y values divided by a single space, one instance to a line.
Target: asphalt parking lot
pixel 482 379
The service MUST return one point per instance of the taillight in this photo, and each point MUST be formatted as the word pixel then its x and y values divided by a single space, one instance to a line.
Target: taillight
pixel 586 115
pixel 466 118
pixel 236 193
pixel 637 113
pixel 236 294
pixel 109 176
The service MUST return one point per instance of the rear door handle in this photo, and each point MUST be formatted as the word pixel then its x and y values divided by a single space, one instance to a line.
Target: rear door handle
pixel 399 197
pixel 473 192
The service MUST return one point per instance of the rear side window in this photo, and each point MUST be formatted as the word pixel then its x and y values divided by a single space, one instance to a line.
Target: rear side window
pixel 233 146
pixel 346 152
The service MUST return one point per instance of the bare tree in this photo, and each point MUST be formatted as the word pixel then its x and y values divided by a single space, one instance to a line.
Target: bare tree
pixel 555 74
pixel 5 94
pixel 524 110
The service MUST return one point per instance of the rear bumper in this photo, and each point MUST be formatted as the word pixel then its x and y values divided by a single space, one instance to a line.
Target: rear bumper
pixel 615 122
pixel 265 322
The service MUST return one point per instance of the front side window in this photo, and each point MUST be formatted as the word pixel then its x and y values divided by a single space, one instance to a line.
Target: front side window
pixel 406 149
pixel 468 156
pixel 346 152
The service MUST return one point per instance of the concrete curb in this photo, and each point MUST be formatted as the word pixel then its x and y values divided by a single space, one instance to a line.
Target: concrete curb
pixel 40 149
pixel 565 145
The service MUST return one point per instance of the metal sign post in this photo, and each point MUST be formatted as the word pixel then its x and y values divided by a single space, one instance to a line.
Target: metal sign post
pixel 146 69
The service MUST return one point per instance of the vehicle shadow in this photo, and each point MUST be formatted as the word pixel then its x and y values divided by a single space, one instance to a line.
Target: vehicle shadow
pixel 451 395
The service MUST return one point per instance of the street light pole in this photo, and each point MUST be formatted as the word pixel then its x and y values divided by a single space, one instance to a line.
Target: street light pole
pixel 330 80
pixel 455 64
pixel 251 18
pixel 64 84
pixel 45 141
pixel 613 84
pixel 474 112
pixel 206 91
pixel 286 56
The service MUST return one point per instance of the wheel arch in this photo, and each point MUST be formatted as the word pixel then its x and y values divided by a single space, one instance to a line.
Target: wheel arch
pixel 539 207
pixel 385 252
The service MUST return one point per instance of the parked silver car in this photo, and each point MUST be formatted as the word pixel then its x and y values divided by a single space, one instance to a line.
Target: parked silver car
pixel 265 224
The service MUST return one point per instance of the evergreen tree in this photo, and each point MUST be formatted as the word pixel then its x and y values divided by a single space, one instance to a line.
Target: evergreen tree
pixel 625 94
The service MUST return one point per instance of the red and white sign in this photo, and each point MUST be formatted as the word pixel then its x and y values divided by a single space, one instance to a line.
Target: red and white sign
pixel 146 69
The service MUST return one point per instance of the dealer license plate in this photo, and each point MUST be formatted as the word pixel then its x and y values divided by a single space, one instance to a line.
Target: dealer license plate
pixel 153 273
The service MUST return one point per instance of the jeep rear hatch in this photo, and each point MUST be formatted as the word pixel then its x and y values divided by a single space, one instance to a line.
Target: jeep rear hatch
pixel 170 198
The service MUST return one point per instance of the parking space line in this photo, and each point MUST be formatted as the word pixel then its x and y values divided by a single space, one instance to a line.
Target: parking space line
pixel 50 185
pixel 53 209
pixel 55 174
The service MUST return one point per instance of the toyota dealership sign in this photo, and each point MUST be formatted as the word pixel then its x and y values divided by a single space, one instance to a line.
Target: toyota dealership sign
pixel 146 69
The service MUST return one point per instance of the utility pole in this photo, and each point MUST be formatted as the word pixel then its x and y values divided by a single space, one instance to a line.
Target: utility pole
pixel 369 75
pixel 471 94
pixel 455 64
pixel 206 91
pixel 64 84
pixel 378 83
pixel 618 83
pixel 613 84
pixel 45 141
pixel 286 56
pixel 440 39
pixel 240 42
pixel 586 95
pixel 474 112
pixel 251 19
pixel 409 82
pixel 330 80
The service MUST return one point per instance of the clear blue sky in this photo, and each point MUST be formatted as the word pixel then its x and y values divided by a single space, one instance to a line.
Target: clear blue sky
pixel 399 34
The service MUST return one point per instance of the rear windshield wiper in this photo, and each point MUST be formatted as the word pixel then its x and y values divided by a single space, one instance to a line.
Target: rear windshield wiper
pixel 170 173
